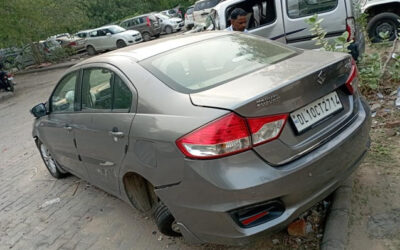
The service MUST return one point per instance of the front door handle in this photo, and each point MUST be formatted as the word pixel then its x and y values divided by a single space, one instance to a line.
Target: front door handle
pixel 117 134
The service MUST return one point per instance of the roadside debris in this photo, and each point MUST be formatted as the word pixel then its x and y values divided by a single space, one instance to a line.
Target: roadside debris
pixel 50 202
pixel 297 228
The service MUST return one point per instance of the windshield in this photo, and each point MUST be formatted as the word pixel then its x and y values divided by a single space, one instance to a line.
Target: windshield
pixel 195 67
pixel 116 29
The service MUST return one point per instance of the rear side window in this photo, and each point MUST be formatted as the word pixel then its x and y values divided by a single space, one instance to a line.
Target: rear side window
pixel 96 89
pixel 195 67
pixel 103 90
pixel 122 95
pixel 302 8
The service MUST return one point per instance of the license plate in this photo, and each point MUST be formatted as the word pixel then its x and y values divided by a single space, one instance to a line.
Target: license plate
pixel 314 112
pixel 11 78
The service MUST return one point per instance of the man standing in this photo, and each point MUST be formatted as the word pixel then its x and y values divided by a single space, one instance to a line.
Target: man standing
pixel 238 20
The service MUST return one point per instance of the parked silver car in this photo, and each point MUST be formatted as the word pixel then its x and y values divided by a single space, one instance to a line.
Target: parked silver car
pixel 170 24
pixel 222 148
pixel 111 37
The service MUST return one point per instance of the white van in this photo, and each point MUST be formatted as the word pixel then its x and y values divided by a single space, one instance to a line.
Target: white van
pixel 285 21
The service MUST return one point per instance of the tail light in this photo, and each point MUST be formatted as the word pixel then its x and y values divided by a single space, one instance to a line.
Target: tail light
pixel 72 44
pixel 352 80
pixel 229 135
pixel 10 75
pixel 186 16
pixel 266 129
pixel 148 21
pixel 351 28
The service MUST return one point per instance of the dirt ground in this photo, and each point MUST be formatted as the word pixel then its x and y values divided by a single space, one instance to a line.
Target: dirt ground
pixel 375 215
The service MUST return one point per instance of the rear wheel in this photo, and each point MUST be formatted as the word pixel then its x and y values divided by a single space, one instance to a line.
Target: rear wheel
pixel 146 36
pixel 382 23
pixel 166 223
pixel 91 50
pixel 168 30
pixel 121 44
pixel 51 164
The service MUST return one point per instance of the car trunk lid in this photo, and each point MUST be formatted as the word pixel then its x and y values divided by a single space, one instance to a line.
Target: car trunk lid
pixel 284 88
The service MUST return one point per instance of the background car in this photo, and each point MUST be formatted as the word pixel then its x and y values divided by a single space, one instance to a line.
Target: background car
pixel 224 147
pixel 171 13
pixel 110 37
pixel 170 24
pixel 147 25
pixel 83 33
pixel 383 17
pixel 285 21
pixel 47 51
pixel 74 42
pixel 189 20
pixel 202 9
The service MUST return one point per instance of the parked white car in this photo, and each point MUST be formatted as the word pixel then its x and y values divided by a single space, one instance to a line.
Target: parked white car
pixel 111 37
pixel 383 16
pixel 201 10
pixel 170 24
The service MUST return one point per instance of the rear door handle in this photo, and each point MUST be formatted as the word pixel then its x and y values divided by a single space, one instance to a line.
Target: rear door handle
pixel 117 134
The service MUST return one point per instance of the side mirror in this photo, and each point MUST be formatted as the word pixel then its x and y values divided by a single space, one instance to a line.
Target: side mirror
pixel 39 110
pixel 108 34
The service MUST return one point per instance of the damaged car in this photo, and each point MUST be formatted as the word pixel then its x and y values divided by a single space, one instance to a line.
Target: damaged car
pixel 221 149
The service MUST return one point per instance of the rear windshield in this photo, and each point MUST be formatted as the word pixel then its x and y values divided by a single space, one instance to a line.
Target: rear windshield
pixel 206 64
pixel 208 4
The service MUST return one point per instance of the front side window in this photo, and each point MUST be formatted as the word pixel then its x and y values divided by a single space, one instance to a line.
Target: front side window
pixel 195 67
pixel 259 12
pixel 96 89
pixel 302 8
pixel 63 97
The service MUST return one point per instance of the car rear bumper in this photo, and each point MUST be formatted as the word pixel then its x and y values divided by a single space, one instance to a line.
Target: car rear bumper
pixel 212 188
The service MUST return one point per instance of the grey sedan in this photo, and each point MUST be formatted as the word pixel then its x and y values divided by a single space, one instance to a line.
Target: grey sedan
pixel 223 136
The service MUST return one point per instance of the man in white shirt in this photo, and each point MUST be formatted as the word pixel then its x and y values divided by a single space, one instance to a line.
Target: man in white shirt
pixel 238 20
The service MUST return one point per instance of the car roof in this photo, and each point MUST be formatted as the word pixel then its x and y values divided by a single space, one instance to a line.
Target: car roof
pixel 149 49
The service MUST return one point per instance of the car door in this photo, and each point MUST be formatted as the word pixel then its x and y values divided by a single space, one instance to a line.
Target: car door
pixel 94 40
pixel 102 39
pixel 110 40
pixel 104 122
pixel 295 13
pixel 56 130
